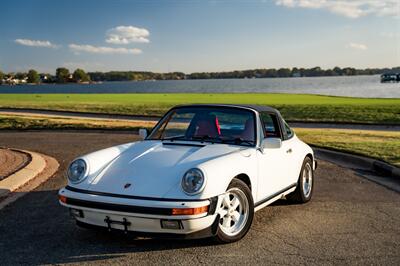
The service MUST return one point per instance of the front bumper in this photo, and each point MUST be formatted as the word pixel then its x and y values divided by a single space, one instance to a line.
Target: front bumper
pixel 140 215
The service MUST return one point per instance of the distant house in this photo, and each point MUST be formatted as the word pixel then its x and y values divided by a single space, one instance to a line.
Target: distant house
pixel 14 81
pixel 11 81
pixel 45 78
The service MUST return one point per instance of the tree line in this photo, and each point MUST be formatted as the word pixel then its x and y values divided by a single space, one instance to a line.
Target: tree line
pixel 293 72
pixel 63 75
pixel 32 76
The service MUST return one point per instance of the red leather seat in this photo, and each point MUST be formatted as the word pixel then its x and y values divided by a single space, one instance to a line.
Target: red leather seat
pixel 204 125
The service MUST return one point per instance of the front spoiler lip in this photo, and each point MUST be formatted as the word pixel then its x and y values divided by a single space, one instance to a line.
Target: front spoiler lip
pixel 204 233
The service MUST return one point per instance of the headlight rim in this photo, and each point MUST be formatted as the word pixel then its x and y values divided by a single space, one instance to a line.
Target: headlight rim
pixel 85 174
pixel 202 186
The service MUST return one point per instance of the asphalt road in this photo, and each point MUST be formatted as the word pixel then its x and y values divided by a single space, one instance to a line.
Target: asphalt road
pixel 350 220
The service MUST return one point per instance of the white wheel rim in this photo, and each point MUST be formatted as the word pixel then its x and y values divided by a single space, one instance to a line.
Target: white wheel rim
pixel 234 211
pixel 307 176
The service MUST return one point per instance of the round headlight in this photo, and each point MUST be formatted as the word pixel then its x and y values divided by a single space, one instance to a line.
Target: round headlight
pixel 193 181
pixel 77 171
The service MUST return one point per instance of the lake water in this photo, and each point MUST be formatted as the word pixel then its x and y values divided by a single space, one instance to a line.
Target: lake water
pixel 355 86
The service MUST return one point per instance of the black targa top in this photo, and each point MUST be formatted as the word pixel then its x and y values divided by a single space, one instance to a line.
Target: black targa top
pixel 258 108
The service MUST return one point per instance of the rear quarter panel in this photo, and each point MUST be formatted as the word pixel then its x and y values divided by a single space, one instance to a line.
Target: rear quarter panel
pixel 301 150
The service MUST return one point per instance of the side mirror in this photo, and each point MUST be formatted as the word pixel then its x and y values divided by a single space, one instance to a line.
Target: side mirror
pixel 271 143
pixel 143 133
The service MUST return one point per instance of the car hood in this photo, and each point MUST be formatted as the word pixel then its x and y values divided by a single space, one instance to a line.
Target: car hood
pixel 153 168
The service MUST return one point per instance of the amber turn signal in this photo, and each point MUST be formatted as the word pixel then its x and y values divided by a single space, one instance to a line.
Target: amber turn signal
pixel 62 198
pixel 189 211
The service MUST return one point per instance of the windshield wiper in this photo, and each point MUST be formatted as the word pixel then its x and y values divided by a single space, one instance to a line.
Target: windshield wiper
pixel 195 138
pixel 206 138
pixel 238 141
pixel 175 138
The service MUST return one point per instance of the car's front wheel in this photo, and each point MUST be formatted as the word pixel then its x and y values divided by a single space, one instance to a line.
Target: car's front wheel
pixel 236 212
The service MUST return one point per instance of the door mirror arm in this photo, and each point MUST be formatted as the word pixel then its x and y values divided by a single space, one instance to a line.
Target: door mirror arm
pixel 260 149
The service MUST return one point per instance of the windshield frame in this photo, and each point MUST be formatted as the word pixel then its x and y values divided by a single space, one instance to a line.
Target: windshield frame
pixel 172 110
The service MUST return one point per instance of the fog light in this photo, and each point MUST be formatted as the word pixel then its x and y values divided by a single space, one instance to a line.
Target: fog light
pixel 171 224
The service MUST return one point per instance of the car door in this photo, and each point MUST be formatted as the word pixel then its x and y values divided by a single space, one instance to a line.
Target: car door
pixel 292 150
pixel 272 163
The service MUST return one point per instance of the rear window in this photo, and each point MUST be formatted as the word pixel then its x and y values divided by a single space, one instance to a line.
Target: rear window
pixel 289 131
pixel 271 125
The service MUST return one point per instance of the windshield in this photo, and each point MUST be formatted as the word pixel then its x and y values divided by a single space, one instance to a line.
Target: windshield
pixel 207 124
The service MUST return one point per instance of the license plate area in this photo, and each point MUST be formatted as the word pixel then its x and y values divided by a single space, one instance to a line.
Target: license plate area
pixel 125 223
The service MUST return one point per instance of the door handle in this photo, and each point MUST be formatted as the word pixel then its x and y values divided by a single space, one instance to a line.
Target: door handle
pixel 289 151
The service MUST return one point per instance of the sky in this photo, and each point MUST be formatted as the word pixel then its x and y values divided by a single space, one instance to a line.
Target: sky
pixel 197 36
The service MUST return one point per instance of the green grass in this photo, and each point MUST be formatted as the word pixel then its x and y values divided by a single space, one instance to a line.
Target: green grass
pixel 382 145
pixel 294 107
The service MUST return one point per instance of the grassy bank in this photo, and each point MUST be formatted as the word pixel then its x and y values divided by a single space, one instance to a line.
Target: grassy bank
pixel 294 107
pixel 377 144
pixel 382 145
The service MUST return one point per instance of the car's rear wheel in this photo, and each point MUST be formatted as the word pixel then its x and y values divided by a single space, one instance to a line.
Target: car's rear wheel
pixel 305 184
pixel 236 212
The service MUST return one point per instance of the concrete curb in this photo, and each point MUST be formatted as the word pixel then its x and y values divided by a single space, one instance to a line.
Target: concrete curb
pixel 359 162
pixel 24 175
pixel 50 169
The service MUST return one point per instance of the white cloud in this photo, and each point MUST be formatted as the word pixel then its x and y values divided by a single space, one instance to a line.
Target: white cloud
pixel 127 34
pixel 35 43
pixel 347 8
pixel 358 46
pixel 77 48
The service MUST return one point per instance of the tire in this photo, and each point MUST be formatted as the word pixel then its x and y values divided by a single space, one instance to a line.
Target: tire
pixel 305 184
pixel 236 222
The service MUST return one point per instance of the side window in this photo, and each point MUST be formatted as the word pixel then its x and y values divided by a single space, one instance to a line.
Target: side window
pixel 271 126
pixel 289 131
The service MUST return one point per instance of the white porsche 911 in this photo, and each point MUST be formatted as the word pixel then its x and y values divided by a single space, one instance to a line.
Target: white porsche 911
pixel 202 172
